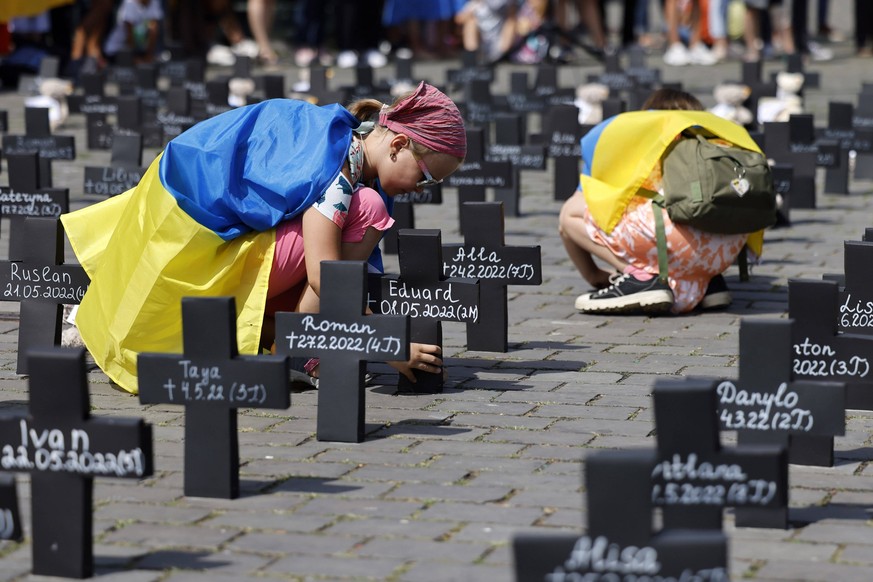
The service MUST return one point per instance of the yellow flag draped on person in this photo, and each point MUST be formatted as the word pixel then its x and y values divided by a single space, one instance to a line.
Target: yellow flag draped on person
pixel 201 222
pixel 612 175
pixel 10 9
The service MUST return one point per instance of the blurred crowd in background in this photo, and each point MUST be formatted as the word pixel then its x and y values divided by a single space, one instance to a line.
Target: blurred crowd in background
pixel 88 34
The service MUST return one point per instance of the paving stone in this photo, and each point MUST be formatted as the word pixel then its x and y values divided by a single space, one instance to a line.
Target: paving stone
pixel 511 430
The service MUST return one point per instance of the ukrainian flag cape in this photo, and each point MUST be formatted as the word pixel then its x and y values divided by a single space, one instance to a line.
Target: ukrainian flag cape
pixel 619 154
pixel 10 9
pixel 201 222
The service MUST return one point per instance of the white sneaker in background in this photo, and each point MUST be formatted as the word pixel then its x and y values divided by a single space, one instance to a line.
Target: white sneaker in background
pixel 347 60
pixel 221 56
pixel 818 52
pixel 699 54
pixel 246 48
pixel 677 55
pixel 304 56
pixel 375 59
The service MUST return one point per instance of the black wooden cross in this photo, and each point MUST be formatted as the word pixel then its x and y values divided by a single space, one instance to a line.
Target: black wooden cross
pixel 752 77
pixel 614 76
pixel 179 115
pixel 509 138
pixel 484 256
pixel 428 297
pixel 521 97
pixel 476 173
pixel 93 97
pixel 805 138
pixel 772 403
pixel 562 136
pixel 620 543
pixel 64 449
pixel 344 340
pixel 821 352
pixel 695 477
pixel 29 194
pixel 862 119
pixel 41 283
pixel 849 138
pixel 479 106
pixel 470 70
pixel 777 145
pixel 38 138
pixel 856 288
pixel 10 518
pixel 125 170
pixel 403 213
pixel 212 381
pixel 135 116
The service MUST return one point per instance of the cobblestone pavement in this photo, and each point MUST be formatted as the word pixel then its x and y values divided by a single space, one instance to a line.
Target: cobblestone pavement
pixel 443 481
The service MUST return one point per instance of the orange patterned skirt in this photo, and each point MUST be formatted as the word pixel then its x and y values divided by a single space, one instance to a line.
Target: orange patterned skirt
pixel 694 256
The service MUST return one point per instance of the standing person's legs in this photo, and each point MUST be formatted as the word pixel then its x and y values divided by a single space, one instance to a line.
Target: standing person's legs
pixel 863 27
pixel 260 16
pixel 799 23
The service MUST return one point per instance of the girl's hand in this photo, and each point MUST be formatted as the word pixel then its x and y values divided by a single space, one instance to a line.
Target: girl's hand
pixel 422 357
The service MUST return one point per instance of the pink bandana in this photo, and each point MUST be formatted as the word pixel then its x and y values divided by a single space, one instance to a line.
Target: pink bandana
pixel 430 118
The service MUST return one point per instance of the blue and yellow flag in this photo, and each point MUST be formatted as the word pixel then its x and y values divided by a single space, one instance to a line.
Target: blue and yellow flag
pixel 620 153
pixel 201 222
pixel 10 9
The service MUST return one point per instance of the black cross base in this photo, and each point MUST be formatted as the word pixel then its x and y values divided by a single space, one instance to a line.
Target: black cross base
pixel 345 340
pixel 42 284
pixel 212 381
pixel 64 450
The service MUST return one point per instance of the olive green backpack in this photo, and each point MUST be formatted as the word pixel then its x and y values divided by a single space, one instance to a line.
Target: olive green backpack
pixel 716 188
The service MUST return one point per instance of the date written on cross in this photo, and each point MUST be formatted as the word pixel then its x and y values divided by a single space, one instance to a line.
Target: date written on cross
pixel 757 409
pixel 825 363
pixel 197 382
pixel 45 282
pixel 324 334
pixel 429 303
pixel 52 451
pixel 478 263
pixel 685 481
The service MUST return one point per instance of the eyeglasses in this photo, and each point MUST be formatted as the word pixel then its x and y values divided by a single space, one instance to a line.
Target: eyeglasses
pixel 428 178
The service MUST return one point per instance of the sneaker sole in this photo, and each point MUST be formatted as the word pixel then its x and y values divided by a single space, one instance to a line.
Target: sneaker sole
pixel 718 300
pixel 646 302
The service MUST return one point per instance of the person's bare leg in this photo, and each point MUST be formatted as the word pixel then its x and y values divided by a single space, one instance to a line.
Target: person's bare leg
pixel 671 18
pixel 260 15
pixel 580 248
pixel 589 12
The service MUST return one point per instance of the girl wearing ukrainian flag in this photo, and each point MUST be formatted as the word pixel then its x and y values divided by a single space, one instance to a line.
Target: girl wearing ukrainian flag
pixel 609 219
pixel 247 204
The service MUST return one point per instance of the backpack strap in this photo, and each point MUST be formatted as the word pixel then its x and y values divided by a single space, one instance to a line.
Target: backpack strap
pixel 660 233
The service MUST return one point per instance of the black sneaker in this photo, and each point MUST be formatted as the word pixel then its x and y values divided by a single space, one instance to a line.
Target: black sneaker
pixel 628 294
pixel 717 295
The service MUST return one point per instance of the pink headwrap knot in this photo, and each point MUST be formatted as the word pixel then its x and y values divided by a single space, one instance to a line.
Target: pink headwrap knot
pixel 430 118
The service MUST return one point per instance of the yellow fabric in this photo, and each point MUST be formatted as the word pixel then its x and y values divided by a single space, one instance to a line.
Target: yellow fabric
pixel 632 144
pixel 143 254
pixel 9 9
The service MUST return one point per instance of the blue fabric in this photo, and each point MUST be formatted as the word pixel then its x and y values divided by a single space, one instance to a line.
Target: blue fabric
pixel 397 12
pixel 251 168
pixel 589 142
